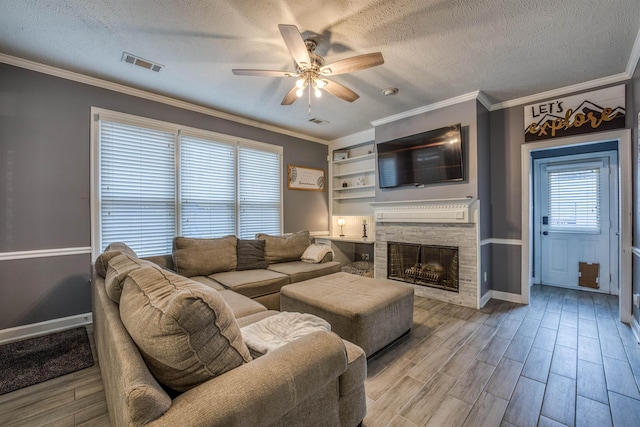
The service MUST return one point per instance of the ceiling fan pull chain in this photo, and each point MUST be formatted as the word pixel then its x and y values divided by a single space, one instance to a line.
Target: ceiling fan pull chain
pixel 309 112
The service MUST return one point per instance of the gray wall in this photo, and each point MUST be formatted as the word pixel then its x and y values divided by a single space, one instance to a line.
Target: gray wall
pixel 45 185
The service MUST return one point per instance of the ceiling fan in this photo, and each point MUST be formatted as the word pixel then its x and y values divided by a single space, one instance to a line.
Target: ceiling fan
pixel 311 70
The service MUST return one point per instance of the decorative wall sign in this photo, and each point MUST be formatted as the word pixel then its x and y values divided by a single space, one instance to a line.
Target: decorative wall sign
pixel 303 178
pixel 588 112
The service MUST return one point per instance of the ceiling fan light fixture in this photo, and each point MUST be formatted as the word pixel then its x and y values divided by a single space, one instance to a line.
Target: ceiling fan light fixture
pixel 300 83
pixel 299 92
pixel 317 92
pixel 321 83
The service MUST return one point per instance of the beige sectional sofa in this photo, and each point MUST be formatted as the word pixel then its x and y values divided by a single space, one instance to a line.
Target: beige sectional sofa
pixel 171 351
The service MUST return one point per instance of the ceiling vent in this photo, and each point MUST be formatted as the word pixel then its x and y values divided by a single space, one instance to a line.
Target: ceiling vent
pixel 135 60
pixel 318 121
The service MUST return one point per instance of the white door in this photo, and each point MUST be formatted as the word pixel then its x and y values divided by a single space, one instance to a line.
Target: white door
pixel 575 220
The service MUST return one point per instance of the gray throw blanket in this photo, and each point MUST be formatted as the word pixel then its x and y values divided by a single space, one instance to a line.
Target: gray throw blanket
pixel 280 329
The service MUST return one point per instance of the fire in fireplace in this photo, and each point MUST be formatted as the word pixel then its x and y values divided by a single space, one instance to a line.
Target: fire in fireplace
pixel 426 265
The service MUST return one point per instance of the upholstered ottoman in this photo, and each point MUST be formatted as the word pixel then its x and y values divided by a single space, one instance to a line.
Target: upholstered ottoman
pixel 370 313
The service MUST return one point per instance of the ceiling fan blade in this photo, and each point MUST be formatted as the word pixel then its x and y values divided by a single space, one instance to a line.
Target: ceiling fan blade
pixel 290 97
pixel 295 44
pixel 341 91
pixel 354 63
pixel 265 73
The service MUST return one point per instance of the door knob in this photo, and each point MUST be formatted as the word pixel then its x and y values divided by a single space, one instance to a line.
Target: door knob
pixel 545 233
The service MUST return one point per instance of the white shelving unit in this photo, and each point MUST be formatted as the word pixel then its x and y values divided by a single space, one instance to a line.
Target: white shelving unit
pixel 353 180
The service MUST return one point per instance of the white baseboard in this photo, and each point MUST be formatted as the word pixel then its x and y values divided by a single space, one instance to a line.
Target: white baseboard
pixel 635 327
pixel 43 328
pixel 485 298
pixel 506 296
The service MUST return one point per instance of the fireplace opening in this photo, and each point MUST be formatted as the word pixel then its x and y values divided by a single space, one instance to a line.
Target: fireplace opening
pixel 425 265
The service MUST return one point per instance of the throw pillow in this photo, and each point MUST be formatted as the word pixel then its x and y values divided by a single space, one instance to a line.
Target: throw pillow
pixel 285 248
pixel 113 250
pixel 315 254
pixel 118 269
pixel 251 255
pixel 202 257
pixel 185 331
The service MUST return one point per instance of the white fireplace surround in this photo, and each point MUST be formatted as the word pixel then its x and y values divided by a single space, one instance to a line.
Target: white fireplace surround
pixel 443 211
pixel 445 222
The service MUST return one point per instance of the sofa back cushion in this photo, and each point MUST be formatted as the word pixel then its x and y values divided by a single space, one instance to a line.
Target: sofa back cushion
pixel 285 248
pixel 202 257
pixel 251 255
pixel 113 250
pixel 185 331
pixel 118 269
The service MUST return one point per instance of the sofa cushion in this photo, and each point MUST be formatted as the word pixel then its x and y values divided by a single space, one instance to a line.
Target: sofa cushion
pixel 209 282
pixel 240 305
pixel 202 257
pixel 299 270
pixel 252 283
pixel 185 331
pixel 118 269
pixel 111 251
pixel 285 248
pixel 251 255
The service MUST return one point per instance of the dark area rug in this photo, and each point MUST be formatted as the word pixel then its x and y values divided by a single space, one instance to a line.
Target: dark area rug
pixel 34 360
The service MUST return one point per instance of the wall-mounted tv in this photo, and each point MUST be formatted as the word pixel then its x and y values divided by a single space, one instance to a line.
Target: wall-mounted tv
pixel 426 158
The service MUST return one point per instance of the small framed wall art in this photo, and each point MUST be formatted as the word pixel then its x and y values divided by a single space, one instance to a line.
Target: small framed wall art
pixel 304 178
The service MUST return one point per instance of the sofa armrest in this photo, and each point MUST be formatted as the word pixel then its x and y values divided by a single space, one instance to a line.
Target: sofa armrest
pixel 263 390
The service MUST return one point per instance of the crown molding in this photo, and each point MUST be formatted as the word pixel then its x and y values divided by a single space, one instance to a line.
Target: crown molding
pixel 634 57
pixel 128 90
pixel 482 98
pixel 431 107
pixel 365 136
pixel 554 93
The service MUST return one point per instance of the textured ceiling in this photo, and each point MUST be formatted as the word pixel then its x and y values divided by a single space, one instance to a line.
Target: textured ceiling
pixel 433 49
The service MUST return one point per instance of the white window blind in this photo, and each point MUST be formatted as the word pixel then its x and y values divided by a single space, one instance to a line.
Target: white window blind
pixel 207 188
pixel 259 194
pixel 574 200
pixel 137 187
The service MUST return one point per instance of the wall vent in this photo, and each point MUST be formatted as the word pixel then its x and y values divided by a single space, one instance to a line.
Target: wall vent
pixel 135 60
pixel 318 121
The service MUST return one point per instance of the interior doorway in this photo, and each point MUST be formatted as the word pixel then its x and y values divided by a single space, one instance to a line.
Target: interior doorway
pixel 575 208
pixel 622 141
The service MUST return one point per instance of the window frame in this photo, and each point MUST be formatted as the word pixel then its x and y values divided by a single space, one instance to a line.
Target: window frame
pixel 99 114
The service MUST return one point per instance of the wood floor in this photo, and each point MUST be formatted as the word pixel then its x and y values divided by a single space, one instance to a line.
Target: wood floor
pixel 562 360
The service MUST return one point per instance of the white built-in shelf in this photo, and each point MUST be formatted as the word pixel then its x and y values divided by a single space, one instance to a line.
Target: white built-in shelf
pixel 355 159
pixel 360 172
pixel 356 187
pixel 367 195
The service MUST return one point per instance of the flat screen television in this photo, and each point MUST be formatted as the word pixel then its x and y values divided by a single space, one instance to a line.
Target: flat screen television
pixel 430 157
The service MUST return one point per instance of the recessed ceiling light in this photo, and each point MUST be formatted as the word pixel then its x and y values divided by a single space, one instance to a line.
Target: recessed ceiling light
pixel 390 91
pixel 318 121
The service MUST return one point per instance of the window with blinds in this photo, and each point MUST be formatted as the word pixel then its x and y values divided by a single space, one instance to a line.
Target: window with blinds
pixel 574 200
pixel 137 187
pixel 207 188
pixel 259 192
pixel 156 183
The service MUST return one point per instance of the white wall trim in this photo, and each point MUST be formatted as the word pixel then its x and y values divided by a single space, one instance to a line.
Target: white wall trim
pixel 554 93
pixel 431 107
pixel 363 137
pixel 634 57
pixel 116 87
pixel 635 328
pixel 484 299
pixel 496 241
pixel 44 253
pixel 636 251
pixel 506 296
pixel 43 328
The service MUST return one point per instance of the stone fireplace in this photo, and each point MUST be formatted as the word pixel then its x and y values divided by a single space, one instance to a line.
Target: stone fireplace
pixel 443 224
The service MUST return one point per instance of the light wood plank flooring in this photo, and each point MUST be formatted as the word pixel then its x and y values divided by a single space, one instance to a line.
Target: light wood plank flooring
pixel 562 360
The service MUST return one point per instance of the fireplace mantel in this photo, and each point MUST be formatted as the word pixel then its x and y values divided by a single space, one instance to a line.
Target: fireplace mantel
pixel 442 211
